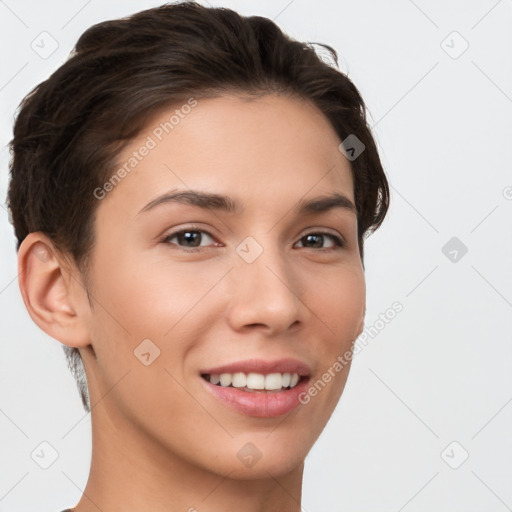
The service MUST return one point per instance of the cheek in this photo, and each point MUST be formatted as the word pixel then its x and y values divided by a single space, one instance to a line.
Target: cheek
pixel 339 299
pixel 137 301
pixel 145 297
pixel 158 299
pixel 340 305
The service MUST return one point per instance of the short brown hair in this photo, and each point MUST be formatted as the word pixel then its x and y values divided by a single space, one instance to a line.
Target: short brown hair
pixel 71 127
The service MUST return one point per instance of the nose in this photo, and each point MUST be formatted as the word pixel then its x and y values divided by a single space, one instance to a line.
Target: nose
pixel 265 295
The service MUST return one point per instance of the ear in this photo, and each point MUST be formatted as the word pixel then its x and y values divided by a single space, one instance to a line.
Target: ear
pixel 54 299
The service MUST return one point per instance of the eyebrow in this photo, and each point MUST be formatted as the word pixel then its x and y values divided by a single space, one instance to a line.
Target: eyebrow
pixel 210 201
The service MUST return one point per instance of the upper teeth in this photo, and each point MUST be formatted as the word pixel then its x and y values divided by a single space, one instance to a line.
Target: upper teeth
pixel 269 382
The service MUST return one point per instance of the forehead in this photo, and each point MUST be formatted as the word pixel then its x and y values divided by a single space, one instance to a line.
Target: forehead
pixel 272 147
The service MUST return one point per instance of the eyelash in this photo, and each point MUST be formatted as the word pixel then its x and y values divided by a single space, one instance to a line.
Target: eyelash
pixel 339 242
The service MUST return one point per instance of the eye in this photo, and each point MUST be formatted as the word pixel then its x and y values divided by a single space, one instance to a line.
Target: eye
pixel 191 239
pixel 316 239
pixel 188 238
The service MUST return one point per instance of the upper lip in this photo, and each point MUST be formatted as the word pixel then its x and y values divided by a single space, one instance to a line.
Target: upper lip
pixel 288 365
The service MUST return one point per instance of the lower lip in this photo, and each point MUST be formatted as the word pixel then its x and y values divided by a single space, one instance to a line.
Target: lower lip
pixel 259 404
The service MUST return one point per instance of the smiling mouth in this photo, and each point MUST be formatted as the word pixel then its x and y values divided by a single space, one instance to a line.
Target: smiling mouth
pixel 256 382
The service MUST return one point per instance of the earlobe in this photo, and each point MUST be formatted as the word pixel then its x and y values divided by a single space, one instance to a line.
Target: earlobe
pixel 45 285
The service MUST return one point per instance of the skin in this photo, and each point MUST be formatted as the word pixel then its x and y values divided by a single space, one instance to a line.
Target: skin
pixel 160 441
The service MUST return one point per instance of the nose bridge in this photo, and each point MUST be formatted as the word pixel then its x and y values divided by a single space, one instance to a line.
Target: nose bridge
pixel 265 289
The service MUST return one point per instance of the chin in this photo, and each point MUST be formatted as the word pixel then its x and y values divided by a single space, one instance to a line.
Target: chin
pixel 255 456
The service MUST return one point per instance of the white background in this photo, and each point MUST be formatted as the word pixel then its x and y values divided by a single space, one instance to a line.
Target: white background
pixel 441 371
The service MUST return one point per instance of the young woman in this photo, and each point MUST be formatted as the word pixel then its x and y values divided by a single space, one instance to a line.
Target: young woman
pixel 190 193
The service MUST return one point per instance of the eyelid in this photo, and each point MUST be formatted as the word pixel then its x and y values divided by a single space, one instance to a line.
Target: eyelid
pixel 324 231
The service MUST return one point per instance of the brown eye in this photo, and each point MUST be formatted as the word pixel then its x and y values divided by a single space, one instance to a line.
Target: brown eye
pixel 316 240
pixel 188 238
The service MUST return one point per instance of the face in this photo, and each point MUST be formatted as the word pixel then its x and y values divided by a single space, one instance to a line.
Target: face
pixel 187 291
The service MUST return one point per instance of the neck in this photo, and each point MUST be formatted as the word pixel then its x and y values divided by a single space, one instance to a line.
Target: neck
pixel 132 471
